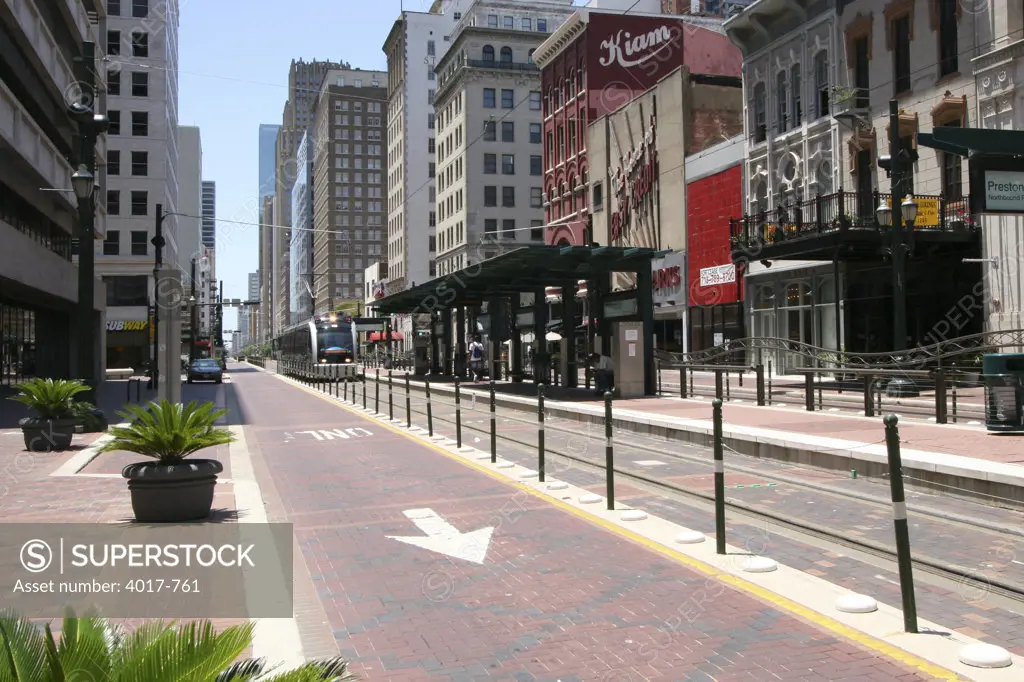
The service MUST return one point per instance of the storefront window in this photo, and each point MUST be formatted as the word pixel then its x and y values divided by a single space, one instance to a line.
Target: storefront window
pixel 764 299
pixel 797 294
pixel 17 344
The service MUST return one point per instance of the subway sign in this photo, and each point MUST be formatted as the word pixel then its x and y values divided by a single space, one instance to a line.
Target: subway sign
pixel 126 325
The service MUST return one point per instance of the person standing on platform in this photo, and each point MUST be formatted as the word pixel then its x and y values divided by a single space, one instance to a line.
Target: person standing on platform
pixel 476 358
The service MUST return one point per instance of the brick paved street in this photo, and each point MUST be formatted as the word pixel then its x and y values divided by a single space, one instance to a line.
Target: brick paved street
pixel 987 554
pixel 555 598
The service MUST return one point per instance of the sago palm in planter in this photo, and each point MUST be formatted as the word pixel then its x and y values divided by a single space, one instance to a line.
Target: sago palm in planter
pixel 92 649
pixel 53 427
pixel 172 488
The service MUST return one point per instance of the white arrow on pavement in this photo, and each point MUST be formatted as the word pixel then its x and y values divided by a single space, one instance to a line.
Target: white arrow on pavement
pixel 444 538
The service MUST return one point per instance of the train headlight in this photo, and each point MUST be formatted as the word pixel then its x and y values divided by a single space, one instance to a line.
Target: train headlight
pixel 323 360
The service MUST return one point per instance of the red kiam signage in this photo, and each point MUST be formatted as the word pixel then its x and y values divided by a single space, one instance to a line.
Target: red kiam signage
pixel 628 54
pixel 633 181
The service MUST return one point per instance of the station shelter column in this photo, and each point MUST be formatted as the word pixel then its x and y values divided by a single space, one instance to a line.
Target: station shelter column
pixel 446 338
pixel 460 342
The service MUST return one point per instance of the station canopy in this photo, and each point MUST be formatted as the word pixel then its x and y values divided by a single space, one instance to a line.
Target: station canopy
pixel 523 270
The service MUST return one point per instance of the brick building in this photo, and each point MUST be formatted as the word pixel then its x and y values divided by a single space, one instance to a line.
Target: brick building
pixel 595 64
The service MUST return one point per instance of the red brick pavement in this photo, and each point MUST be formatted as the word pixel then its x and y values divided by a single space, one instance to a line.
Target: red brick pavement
pixel 556 598
pixel 29 494
pixel 951 439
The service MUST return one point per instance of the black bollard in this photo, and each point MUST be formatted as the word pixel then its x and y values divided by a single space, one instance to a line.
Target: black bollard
pixel 391 398
pixel 899 516
pixel 376 393
pixel 408 403
pixel 494 428
pixel 458 416
pixel 540 432
pixel 430 409
pixel 716 407
pixel 609 451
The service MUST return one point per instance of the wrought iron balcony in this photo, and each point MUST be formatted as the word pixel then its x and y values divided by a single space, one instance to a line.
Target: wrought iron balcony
pixel 814 228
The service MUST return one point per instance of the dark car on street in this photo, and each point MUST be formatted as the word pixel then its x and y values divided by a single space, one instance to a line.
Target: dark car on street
pixel 205 369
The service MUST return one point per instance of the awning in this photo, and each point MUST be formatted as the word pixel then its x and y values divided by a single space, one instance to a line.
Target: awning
pixel 383 336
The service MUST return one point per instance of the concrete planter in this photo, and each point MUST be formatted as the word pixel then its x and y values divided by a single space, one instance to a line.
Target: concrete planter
pixel 47 435
pixel 172 493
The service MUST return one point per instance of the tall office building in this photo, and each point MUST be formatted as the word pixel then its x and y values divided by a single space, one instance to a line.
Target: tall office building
pixel 304 287
pixel 304 79
pixel 141 59
pixel 38 148
pixel 209 234
pixel 267 182
pixel 490 179
pixel 348 184
pixel 190 181
pixel 416 41
pixel 265 324
pixel 267 169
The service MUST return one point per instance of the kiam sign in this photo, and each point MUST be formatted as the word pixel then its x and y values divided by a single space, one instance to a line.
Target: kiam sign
pixel 126 325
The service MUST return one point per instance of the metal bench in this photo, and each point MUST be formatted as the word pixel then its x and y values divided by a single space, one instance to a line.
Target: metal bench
pixel 123 373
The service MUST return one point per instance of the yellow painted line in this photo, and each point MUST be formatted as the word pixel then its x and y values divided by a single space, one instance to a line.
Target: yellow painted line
pixel 821 620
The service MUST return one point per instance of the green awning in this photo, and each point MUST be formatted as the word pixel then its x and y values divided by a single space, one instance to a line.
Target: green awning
pixel 525 269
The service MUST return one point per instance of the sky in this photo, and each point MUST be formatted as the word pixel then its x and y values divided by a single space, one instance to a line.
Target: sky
pixel 233 62
pixel 233 75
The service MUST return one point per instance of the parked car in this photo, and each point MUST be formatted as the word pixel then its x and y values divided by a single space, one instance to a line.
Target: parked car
pixel 205 369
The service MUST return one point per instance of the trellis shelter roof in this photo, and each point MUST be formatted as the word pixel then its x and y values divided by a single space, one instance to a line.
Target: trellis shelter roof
pixel 526 269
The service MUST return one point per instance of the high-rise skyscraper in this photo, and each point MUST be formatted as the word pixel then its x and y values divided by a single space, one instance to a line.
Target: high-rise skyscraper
pixel 209 235
pixel 348 184
pixel 141 58
pixel 300 257
pixel 304 79
pixel 267 153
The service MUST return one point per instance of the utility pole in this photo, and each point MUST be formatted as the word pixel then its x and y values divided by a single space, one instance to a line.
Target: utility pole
pixel 159 242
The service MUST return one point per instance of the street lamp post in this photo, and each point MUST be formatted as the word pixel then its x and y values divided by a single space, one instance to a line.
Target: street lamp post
pixel 90 126
pixel 192 324
pixel 900 241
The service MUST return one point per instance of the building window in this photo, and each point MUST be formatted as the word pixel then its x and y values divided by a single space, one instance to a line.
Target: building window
pixel 490 226
pixel 431 171
pixel 536 197
pixel 508 228
pixel 508 99
pixel 113 42
pixel 492 21
pixel 431 145
pixel 572 136
pixel 127 290
pixel 140 202
pixel 139 242
pixel 948 43
pixel 140 84
pixel 140 9
pixel 537 230
pixel 113 162
pixel 140 44
pixel 901 55
pixel 430 48
pixel 431 95
pixel 508 197
pixel 430 74
pixel 490 131
pixel 542 25
pixel 782 101
pixel 140 163
pixel 488 53
pixel 821 84
pixel 907 144
pixel 795 86
pixel 508 22
pixel 431 122
pixel 598 196
pixel 535 136
pixel 490 195
pixel 861 70
pixel 489 101
pixel 536 164
pixel 114 82
pixel 508 131
pixel 490 164
pixel 508 164
pixel 760 115
pixel 952 172
pixel 113 8
pixel 112 243
pixel 535 100
pixel 526 24
pixel 114 121
pixel 506 55
pixel 140 123
pixel 113 202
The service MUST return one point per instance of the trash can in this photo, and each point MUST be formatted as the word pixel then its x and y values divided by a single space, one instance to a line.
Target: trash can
pixel 1003 376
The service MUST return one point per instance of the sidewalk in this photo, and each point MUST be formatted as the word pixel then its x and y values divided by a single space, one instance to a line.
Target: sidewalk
pixel 435 565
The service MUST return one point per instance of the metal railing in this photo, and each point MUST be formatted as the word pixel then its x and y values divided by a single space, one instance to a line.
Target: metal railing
pixel 838 212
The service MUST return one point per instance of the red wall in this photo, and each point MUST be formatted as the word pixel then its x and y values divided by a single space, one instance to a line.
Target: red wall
pixel 711 201
pixel 611 85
